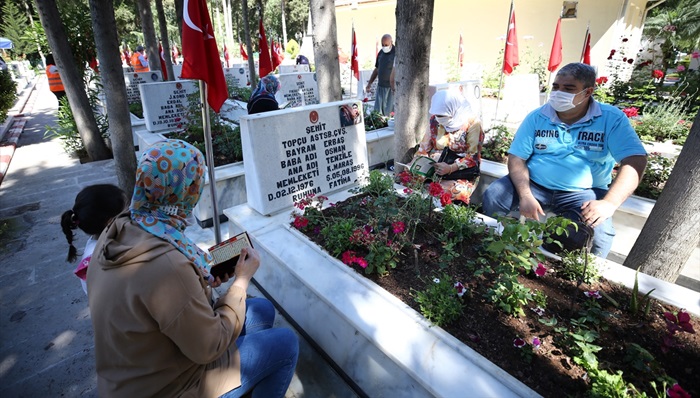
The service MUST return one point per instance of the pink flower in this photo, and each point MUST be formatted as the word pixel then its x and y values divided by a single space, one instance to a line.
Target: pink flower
pixel 435 189
pixel 657 74
pixel 398 227
pixel 593 294
pixel 631 111
pixel 540 270
pixel 460 289
pixel 300 222
pixel 536 343
pixel 696 54
pixel 445 199
pixel 348 257
pixel 361 262
pixel 407 191
pixel 680 68
pixel 679 321
pixel 677 392
pixel 519 343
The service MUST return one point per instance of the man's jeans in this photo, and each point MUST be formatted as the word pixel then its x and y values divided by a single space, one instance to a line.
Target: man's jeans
pixel 384 100
pixel 268 356
pixel 501 198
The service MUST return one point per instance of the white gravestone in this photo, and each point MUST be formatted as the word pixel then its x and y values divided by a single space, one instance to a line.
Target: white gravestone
pixel 165 104
pixel 177 71
pixel 364 78
pixel 521 95
pixel 293 69
pixel 292 153
pixel 237 76
pixel 291 84
pixel 128 69
pixel 133 80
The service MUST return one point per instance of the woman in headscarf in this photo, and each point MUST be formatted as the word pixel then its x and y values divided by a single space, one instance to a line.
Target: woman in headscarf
pixel 454 142
pixel 156 331
pixel 263 98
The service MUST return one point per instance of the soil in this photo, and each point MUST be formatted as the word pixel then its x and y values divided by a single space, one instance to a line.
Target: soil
pixel 552 371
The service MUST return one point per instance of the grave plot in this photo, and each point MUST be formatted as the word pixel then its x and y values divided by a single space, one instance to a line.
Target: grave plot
pixel 297 89
pixel 133 80
pixel 165 104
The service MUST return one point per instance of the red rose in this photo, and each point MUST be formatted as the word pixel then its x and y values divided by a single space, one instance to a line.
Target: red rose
pixel 445 198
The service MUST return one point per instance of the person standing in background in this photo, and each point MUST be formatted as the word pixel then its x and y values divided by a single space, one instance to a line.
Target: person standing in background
pixel 139 61
pixel 55 83
pixel 383 68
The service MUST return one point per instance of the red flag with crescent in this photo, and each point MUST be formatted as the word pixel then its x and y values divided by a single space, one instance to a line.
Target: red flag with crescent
pixel 201 53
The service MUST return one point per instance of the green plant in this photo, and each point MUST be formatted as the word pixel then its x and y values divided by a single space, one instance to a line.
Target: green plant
pixel 337 236
pixel 239 93
pixel 540 299
pixel 664 121
pixel 8 93
pixel 66 129
pixel 640 358
pixel 375 120
pixel 659 168
pixel 137 109
pixel 378 184
pixel 573 264
pixel 439 301
pixel 509 294
pixel 608 385
pixel 292 48
pixel 498 143
pixel 635 302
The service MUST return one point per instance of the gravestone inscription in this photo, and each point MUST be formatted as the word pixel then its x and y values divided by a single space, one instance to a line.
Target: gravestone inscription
pixel 133 80
pixel 165 104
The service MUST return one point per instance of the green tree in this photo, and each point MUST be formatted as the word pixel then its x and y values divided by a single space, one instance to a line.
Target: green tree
pixel 296 14
pixel 14 27
pixel 677 22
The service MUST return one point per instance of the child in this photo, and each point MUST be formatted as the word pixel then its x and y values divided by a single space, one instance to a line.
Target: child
pixel 95 206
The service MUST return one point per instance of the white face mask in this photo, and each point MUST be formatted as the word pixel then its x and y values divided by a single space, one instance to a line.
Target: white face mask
pixel 386 49
pixel 562 101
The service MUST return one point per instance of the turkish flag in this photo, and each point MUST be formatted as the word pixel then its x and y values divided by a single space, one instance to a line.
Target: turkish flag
pixel 175 54
pixel 243 54
pixel 510 60
pixel 586 56
pixel 201 53
pixel 265 62
pixel 127 56
pixel 277 56
pixel 354 64
pixel 555 56
pixel 163 69
pixel 226 55
pixel 460 53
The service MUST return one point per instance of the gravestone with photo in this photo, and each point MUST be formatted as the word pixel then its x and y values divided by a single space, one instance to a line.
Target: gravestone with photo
pixel 237 75
pixel 293 69
pixel 165 104
pixel 133 80
pixel 292 153
pixel 290 93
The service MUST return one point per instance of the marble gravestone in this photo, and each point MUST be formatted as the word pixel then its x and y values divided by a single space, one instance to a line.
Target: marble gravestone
pixel 177 71
pixel 364 78
pixel 290 95
pixel 283 69
pixel 521 95
pixel 165 104
pixel 292 153
pixel 133 80
pixel 237 76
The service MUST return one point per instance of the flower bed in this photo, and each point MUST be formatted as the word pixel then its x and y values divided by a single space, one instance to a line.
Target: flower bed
pixel 497 295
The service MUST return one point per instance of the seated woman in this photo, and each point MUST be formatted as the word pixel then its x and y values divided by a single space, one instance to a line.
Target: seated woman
pixel 454 142
pixel 156 330
pixel 263 98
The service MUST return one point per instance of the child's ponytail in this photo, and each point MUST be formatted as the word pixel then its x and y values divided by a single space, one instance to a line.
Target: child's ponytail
pixel 68 224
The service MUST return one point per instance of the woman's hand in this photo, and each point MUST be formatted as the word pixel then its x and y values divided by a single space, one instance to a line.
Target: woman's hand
pixel 248 264
pixel 443 168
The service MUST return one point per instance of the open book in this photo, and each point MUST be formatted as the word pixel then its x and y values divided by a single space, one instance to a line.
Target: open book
pixel 226 254
pixel 421 165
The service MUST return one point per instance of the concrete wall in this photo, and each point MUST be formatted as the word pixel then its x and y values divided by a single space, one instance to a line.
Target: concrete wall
pixel 483 27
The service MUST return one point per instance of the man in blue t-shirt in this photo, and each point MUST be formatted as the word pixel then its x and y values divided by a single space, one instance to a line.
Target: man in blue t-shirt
pixel 562 157
pixel 383 68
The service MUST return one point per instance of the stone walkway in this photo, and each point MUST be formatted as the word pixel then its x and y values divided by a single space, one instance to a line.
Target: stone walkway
pixel 47 341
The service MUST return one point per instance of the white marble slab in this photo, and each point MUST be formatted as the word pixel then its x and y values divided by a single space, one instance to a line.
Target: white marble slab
pixel 230 192
pixel 165 104
pixel 364 78
pixel 132 81
pixel 232 110
pixel 295 152
pixel 297 89
pixel 237 75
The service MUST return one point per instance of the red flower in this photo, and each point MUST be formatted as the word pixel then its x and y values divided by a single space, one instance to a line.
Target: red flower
pixel 445 198
pixel 365 99
pixel 631 111
pixel 630 61
pixel 405 177
pixel 601 80
pixel 348 257
pixel 519 343
pixel 300 222
pixel 361 262
pixel 435 189
pixel 398 227
pixel 677 392
pixel 540 270
pixel 459 287
pixel 657 74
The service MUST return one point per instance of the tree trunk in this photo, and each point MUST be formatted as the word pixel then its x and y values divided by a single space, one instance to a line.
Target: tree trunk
pixel 249 46
pixel 326 50
pixel 105 28
pixel 164 40
pixel 149 34
pixel 72 82
pixel 672 231
pixel 178 13
pixel 414 27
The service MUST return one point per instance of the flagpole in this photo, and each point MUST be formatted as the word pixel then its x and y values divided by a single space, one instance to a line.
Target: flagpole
pixel 585 40
pixel 209 149
pixel 500 80
pixel 352 55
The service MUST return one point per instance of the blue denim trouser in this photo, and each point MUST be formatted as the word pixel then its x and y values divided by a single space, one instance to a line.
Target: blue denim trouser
pixel 384 100
pixel 501 198
pixel 268 356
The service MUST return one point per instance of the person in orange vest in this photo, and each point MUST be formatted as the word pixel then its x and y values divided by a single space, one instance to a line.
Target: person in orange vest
pixel 55 83
pixel 139 61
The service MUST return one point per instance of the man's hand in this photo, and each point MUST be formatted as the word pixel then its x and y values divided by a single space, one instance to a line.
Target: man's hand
pixel 368 88
pixel 530 207
pixel 594 212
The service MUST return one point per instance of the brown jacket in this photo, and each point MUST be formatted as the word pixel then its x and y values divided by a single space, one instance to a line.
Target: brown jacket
pixel 155 332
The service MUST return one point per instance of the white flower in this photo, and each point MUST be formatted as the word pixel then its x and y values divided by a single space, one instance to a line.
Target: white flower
pixel 436 280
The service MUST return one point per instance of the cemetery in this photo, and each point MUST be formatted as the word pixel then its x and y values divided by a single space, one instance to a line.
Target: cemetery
pixel 392 286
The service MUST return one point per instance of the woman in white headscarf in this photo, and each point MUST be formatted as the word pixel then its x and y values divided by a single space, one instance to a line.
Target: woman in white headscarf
pixel 454 142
